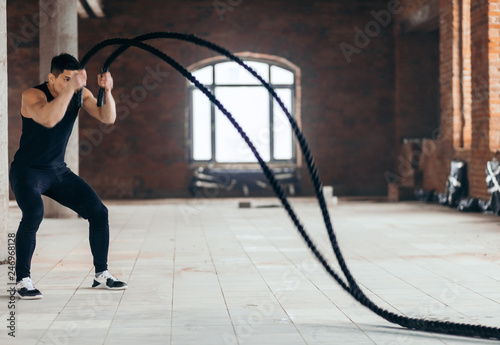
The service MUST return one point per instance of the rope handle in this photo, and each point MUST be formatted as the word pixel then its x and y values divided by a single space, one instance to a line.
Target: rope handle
pixel 100 93
pixel 100 97
pixel 79 97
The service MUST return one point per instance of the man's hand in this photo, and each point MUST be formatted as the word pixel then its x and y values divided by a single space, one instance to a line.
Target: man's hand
pixel 78 80
pixel 105 80
pixel 106 113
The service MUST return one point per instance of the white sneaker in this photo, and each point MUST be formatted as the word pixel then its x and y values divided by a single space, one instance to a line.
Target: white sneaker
pixel 26 290
pixel 106 280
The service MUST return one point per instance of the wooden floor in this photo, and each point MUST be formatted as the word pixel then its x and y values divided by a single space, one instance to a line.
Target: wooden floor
pixel 208 272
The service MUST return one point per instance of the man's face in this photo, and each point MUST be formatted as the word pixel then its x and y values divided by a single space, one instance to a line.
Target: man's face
pixel 61 81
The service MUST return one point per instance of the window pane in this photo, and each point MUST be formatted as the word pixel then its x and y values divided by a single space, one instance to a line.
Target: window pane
pixel 204 75
pixel 232 73
pixel 283 143
pixel 281 76
pixel 250 108
pixel 202 132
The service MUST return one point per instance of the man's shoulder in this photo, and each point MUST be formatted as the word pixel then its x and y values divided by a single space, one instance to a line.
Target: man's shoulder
pixel 87 92
pixel 33 94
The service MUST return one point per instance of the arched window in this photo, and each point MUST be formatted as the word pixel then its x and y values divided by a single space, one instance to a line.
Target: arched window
pixel 213 138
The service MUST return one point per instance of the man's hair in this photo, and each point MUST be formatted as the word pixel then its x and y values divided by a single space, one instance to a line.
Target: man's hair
pixel 64 62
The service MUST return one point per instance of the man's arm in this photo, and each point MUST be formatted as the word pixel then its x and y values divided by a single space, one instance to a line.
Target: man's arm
pixel 34 103
pixel 106 113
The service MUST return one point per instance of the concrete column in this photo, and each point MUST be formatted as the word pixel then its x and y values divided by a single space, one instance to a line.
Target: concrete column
pixel 59 35
pixel 4 114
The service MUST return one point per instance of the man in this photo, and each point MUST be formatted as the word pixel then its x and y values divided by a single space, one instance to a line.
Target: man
pixel 48 112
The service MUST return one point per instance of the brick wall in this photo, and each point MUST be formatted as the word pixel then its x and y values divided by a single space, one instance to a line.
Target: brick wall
pixel 468 75
pixel 368 98
pixel 417 85
pixel 418 98
pixel 347 107
pixel 417 107
pixel 485 90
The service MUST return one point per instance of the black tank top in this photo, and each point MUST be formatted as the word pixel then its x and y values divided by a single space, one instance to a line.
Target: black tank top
pixel 42 147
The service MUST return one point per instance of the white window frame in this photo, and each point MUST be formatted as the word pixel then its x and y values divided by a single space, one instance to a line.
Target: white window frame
pixel 295 111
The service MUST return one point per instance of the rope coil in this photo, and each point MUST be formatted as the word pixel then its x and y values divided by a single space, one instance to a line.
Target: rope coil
pixel 444 327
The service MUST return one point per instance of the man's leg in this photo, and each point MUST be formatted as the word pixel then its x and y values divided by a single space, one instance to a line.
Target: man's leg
pixel 28 185
pixel 72 191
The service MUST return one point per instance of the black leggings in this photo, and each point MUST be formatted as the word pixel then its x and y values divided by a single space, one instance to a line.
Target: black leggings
pixel 68 189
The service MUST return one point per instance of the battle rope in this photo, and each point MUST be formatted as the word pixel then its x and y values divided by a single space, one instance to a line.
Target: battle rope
pixel 404 321
pixel 210 45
